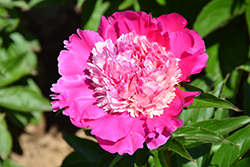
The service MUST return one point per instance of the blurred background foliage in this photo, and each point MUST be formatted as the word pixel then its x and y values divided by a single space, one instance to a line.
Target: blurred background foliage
pixel 31 35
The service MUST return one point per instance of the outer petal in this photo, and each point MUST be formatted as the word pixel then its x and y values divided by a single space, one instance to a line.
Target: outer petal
pixel 158 140
pixel 180 42
pixel 172 22
pixel 117 126
pixel 74 61
pixel 130 143
pixel 198 42
pixel 76 97
pixel 160 128
pixel 192 64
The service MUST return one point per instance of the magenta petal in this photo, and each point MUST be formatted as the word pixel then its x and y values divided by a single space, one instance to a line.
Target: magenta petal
pixel 117 126
pixel 192 64
pixel 74 61
pixel 198 42
pixel 130 143
pixel 180 42
pixel 107 30
pixel 172 22
pixel 187 96
pixel 157 141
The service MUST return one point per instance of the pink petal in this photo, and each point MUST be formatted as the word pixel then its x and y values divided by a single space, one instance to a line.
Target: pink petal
pixel 107 30
pixel 74 61
pixel 187 96
pixel 172 22
pixel 130 143
pixel 158 140
pixel 112 127
pixel 198 42
pixel 180 42
pixel 192 64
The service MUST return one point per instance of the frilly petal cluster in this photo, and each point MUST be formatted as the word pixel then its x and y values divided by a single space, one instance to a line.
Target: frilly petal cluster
pixel 121 81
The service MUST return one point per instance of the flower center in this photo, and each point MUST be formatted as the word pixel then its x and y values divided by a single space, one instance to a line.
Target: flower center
pixel 133 75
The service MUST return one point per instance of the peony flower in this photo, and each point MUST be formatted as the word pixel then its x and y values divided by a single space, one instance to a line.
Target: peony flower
pixel 121 81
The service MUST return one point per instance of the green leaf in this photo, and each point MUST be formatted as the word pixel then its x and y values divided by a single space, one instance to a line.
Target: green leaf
pixel 23 99
pixel 161 2
pixel 156 158
pixel 71 158
pixel 194 136
pixel 99 10
pixel 19 60
pixel 205 100
pixel 243 163
pixel 10 23
pixel 126 4
pixel 200 154
pixel 88 150
pixel 228 155
pixel 223 126
pixel 13 69
pixel 221 113
pixel 176 146
pixel 244 67
pixel 216 14
pixel 33 3
pixel 8 163
pixel 246 90
pixel 19 119
pixel 248 17
pixel 5 138
pixel 213 64
pixel 3 12
pixel 201 114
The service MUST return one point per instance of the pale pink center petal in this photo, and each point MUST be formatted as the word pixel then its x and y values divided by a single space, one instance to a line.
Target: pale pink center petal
pixel 134 75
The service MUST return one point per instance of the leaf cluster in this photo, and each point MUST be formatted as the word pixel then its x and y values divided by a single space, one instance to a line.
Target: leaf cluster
pixel 21 100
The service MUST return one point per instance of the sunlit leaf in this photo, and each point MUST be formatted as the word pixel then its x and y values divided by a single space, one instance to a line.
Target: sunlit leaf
pixel 23 99
pixel 223 126
pixel 216 14
pixel 248 17
pixel 161 2
pixel 194 136
pixel 200 154
pixel 227 155
pixel 205 100
pixel 9 163
pixel 126 4
pixel 176 146
pixel 94 20
pixel 5 138
pixel 245 67
pixel 156 158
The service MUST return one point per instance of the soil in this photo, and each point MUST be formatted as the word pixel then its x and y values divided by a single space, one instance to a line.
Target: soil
pixel 41 148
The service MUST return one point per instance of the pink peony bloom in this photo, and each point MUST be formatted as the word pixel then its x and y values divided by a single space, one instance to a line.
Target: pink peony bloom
pixel 121 81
